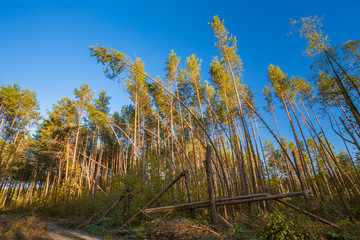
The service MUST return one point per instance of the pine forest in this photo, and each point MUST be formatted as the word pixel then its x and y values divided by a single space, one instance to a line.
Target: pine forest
pixel 192 157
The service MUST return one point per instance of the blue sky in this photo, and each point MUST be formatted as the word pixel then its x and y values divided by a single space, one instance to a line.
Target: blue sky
pixel 45 43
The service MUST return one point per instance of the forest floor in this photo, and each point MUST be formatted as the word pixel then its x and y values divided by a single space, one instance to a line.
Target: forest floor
pixel 26 226
pixel 21 227
pixel 57 232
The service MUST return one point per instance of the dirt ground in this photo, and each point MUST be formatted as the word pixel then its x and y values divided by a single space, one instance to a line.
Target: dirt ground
pixel 57 232
pixel 22 227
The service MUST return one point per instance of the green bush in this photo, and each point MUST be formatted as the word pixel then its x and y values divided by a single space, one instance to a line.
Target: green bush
pixel 278 228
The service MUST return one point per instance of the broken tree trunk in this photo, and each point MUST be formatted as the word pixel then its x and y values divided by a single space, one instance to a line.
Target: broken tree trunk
pixel 188 189
pixel 210 183
pixel 118 200
pixel 155 198
pixel 224 201
pixel 266 198
pixel 308 213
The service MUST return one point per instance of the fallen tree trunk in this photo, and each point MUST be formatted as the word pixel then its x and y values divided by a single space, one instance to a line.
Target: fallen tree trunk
pixel 202 204
pixel 93 217
pixel 183 173
pixel 265 198
pixel 239 200
pixel 117 201
pixel 308 213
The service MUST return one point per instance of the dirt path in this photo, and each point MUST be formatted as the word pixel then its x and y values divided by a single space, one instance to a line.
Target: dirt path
pixel 57 232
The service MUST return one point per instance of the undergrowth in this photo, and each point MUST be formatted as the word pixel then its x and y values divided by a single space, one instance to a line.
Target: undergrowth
pixel 277 222
pixel 22 227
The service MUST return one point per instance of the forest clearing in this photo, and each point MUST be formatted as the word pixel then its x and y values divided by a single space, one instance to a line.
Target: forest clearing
pixel 189 158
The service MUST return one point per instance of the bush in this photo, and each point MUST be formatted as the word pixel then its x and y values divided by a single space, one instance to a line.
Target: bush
pixel 278 227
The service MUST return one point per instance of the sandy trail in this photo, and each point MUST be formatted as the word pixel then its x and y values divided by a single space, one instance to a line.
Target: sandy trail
pixel 57 232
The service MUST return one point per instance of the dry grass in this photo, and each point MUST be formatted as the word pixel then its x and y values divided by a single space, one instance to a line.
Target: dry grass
pixel 21 227
pixel 181 229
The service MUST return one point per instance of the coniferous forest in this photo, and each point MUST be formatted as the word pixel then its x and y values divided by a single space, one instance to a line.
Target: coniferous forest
pixel 234 171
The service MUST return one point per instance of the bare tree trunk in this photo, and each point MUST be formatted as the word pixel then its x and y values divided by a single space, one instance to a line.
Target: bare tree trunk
pixel 210 182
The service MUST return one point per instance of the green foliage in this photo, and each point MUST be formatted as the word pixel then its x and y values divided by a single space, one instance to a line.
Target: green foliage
pixel 278 227
pixel 280 84
pixel 114 61
pixel 241 230
pixel 227 46
pixel 310 29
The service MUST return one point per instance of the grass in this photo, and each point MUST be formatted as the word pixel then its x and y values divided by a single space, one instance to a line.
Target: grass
pixel 22 227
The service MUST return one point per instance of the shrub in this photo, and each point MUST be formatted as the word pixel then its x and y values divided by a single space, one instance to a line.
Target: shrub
pixel 278 228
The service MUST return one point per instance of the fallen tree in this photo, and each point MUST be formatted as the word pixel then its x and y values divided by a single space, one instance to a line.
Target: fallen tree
pixel 223 201
pixel 240 200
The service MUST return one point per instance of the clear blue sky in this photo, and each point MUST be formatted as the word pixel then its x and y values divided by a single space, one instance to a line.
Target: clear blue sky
pixel 44 44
